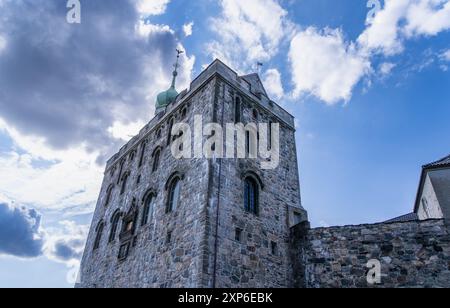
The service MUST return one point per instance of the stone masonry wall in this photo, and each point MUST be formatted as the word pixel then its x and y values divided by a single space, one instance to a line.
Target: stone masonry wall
pixel 412 254
pixel 153 261
pixel 250 262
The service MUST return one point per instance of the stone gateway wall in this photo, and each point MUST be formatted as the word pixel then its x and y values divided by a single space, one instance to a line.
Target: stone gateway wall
pixel 412 254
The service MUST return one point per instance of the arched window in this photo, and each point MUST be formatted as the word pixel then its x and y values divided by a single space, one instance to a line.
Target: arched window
pixel 255 114
pixel 169 132
pixel 119 177
pixel 98 237
pixel 251 196
pixel 141 158
pixel 124 183
pixel 132 155
pixel 237 110
pixel 114 225
pixel 156 157
pixel 148 209
pixel 270 135
pixel 174 195
pixel 109 192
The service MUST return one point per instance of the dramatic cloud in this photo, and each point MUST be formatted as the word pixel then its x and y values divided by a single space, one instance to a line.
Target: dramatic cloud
pixel 272 83
pixel 70 83
pixel 325 65
pixel 20 233
pixel 34 174
pixel 248 31
pixel 66 244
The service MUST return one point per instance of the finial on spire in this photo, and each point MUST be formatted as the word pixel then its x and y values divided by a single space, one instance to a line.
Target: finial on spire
pixel 175 72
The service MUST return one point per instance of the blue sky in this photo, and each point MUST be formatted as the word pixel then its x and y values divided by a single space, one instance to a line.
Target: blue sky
pixel 371 101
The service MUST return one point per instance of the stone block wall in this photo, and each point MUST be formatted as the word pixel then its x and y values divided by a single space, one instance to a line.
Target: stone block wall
pixel 251 262
pixel 412 254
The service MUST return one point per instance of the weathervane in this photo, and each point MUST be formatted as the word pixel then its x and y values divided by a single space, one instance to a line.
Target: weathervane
pixel 175 72
pixel 259 66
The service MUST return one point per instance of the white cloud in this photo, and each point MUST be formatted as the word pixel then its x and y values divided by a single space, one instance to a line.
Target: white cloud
pixel 67 179
pixel 446 55
pixel 382 35
pixel 188 29
pixel 248 31
pixel 427 17
pixel 403 19
pixel 152 7
pixel 65 243
pixel 386 68
pixel 272 83
pixel 325 65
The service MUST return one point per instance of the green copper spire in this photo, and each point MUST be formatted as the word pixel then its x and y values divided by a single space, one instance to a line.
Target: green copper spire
pixel 169 96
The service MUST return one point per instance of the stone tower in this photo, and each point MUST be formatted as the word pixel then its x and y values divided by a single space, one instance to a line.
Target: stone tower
pixel 197 222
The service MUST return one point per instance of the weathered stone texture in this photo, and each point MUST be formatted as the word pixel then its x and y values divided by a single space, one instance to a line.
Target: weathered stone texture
pixel 203 251
pixel 412 254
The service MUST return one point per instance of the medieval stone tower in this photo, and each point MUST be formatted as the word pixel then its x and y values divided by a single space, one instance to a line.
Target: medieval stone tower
pixel 166 222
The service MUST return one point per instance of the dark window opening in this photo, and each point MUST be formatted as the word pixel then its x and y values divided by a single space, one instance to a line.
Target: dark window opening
pixel 237 110
pixel 124 184
pixel 132 155
pixel 274 248
pixel 148 210
pixel 270 135
pixel 174 195
pixel 98 237
pixel 156 158
pixel 169 132
pixel 238 235
pixel 122 163
pixel 255 114
pixel 251 196
pixel 108 195
pixel 114 226
pixel 138 181
pixel 141 158
pixel 123 251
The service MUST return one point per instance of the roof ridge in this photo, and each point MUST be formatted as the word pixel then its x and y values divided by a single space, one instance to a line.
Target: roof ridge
pixel 442 162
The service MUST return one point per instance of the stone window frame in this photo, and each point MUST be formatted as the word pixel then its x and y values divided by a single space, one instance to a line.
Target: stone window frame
pixel 142 155
pixel 115 222
pixel 170 124
pixel 124 181
pixel 132 155
pixel 238 234
pixel 122 165
pixel 109 192
pixel 146 219
pixel 274 248
pixel 256 178
pixel 98 234
pixel 238 103
pixel 175 176
pixel 156 158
